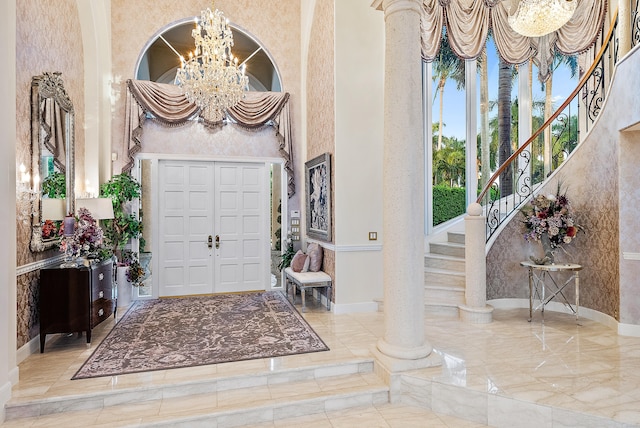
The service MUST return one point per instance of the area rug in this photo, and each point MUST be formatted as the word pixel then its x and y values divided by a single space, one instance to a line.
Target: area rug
pixel 184 332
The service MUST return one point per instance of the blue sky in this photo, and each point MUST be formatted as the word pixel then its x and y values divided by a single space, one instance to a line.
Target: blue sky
pixel 454 101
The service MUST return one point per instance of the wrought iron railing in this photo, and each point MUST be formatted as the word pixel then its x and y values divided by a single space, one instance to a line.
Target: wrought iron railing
pixel 635 24
pixel 525 169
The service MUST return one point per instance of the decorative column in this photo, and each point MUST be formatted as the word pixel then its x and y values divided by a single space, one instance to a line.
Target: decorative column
pixel 403 346
pixel 624 27
pixel 476 309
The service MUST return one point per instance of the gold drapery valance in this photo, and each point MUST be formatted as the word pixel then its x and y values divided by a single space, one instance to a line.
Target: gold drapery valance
pixel 167 105
pixel 468 23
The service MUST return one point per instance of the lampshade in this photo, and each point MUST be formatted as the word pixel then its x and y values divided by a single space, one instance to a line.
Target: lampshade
pixel 53 209
pixel 535 18
pixel 100 208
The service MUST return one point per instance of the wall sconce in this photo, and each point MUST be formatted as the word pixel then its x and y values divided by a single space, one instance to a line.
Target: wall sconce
pixel 25 194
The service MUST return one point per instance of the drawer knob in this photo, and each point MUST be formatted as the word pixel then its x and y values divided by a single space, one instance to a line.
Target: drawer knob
pixel 101 312
pixel 101 294
pixel 100 276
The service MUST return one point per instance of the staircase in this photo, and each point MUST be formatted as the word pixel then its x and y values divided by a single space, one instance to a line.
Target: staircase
pixel 262 396
pixel 444 276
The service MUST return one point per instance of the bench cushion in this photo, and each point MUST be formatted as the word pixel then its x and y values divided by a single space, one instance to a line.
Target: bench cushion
pixel 308 277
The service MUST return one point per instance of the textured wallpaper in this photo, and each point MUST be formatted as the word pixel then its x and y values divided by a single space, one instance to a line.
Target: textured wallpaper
pixel 629 226
pixel 275 24
pixel 51 42
pixel 321 102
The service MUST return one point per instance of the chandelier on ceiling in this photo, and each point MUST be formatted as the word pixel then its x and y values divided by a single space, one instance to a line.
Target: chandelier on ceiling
pixel 211 77
pixel 535 18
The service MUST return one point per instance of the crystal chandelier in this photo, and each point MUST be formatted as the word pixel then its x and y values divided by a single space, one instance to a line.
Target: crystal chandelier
pixel 535 18
pixel 211 77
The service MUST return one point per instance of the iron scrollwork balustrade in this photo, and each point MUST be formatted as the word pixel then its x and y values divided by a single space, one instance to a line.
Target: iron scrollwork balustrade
pixel 525 164
pixel 562 147
pixel 635 24
pixel 498 204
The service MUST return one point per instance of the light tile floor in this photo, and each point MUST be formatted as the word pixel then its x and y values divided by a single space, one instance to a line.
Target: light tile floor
pixel 586 368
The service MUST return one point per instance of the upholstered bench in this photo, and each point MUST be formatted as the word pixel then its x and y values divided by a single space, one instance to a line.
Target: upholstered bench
pixel 304 280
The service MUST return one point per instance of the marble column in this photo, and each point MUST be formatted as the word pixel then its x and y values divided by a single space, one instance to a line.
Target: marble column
pixel 404 345
pixel 476 309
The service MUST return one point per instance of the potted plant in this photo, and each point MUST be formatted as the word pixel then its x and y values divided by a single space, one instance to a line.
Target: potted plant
pixel 122 189
pixel 118 232
pixel 287 256
pixel 54 186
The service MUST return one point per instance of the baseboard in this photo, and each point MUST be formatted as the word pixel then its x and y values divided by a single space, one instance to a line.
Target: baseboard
pixel 559 307
pixel 351 308
pixel 31 347
pixel 629 330
pixel 5 396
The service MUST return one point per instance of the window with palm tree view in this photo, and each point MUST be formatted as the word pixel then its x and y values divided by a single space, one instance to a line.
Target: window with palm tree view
pixel 498 96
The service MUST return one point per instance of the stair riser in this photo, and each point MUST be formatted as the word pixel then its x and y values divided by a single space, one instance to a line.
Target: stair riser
pixel 446 250
pixel 448 264
pixel 433 278
pixel 456 237
pixel 441 311
pixel 443 297
pixel 266 415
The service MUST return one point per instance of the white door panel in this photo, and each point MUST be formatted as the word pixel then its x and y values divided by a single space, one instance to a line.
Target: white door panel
pixel 185 218
pixel 202 199
pixel 241 262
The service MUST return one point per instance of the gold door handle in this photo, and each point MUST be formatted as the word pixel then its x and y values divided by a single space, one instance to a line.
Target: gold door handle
pixel 210 241
pixel 217 241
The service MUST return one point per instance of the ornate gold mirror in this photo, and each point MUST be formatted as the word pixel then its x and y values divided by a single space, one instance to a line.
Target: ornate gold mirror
pixel 52 154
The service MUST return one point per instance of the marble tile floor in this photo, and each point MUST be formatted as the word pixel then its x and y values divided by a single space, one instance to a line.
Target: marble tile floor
pixel 509 373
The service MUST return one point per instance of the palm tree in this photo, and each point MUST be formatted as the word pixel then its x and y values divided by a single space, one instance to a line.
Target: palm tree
pixel 485 157
pixel 505 76
pixel 449 162
pixel 558 59
pixel 446 66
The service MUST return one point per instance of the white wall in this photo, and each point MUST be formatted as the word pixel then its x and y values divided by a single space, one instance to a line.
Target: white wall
pixel 8 369
pixel 359 39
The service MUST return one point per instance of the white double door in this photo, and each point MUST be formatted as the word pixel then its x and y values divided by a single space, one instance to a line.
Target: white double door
pixel 213 227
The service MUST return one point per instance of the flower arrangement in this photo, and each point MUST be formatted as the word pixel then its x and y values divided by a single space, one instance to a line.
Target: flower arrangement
pixel 87 237
pixel 550 216
pixel 49 229
pixel 135 273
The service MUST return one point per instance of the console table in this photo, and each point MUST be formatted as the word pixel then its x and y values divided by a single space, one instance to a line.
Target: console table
pixel 75 299
pixel 541 281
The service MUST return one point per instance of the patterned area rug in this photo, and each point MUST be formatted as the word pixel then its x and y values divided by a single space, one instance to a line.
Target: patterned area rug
pixel 172 333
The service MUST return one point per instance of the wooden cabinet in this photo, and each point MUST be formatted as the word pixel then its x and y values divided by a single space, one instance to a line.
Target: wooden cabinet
pixel 75 299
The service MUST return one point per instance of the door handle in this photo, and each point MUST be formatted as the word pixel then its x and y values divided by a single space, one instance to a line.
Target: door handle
pixel 210 241
pixel 217 241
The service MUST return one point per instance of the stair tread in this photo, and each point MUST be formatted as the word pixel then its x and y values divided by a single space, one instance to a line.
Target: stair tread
pixel 442 286
pixel 444 271
pixel 252 400
pixel 449 244
pixel 211 379
pixel 444 257
pixel 450 305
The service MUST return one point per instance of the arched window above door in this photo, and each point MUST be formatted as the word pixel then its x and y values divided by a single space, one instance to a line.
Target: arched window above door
pixel 160 58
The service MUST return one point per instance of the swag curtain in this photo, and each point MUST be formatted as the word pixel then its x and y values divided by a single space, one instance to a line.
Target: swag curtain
pixel 166 104
pixel 468 23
